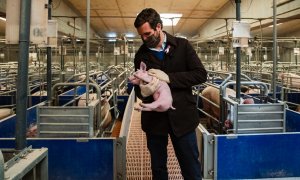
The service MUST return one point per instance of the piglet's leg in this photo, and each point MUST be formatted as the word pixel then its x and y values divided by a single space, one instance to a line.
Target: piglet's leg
pixel 149 107
pixel 138 108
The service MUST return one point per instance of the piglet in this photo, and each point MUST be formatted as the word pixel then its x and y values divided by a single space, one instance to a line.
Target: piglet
pixel 162 96
pixel 32 131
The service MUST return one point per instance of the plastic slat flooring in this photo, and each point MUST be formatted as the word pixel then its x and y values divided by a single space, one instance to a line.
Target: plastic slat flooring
pixel 138 165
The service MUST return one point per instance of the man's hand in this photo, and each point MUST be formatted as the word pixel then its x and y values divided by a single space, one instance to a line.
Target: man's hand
pixel 150 88
pixel 159 74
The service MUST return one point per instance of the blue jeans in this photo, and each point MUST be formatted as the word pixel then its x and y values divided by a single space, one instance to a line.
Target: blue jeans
pixel 186 151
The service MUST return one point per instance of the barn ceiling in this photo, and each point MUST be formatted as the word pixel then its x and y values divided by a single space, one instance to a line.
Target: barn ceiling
pixel 117 16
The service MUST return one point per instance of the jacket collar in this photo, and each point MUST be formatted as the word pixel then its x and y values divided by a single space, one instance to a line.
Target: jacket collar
pixel 171 45
pixel 170 39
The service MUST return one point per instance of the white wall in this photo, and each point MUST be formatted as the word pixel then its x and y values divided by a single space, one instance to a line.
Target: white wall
pixel 249 9
pixel 60 8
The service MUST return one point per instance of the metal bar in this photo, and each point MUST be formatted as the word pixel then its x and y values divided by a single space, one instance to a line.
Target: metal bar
pixel 127 115
pixel 245 83
pixel 91 119
pixel 274 50
pixel 65 124
pixel 64 132
pixel 62 68
pixel 72 101
pixel 259 129
pixel 265 120
pixel 16 158
pixel 28 163
pixel 265 112
pixel 207 156
pixel 238 54
pixel 120 160
pixel 1 166
pixel 75 84
pixel 49 57
pixel 296 56
pixel 208 115
pixel 21 109
pixel 88 9
pixel 42 169
pixel 62 115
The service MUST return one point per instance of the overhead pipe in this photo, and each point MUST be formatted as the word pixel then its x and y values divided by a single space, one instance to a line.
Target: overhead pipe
pixel 238 54
pixel 274 50
pixel 133 17
pixel 49 58
pixel 22 81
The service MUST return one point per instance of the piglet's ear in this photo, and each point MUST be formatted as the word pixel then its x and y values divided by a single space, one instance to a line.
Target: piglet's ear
pixel 143 66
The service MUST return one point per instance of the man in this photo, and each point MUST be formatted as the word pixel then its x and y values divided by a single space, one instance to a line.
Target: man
pixel 174 61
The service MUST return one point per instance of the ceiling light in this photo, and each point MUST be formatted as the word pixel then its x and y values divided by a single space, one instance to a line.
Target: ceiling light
pixel 129 35
pixel 170 19
pixel 2 18
pixel 112 40
pixel 111 35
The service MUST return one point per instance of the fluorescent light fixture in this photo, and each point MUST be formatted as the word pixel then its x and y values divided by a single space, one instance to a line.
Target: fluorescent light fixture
pixel 129 35
pixel 3 19
pixel 170 19
pixel 276 24
pixel 112 40
pixel 111 35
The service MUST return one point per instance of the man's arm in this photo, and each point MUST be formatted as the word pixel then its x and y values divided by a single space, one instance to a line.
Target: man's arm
pixel 195 74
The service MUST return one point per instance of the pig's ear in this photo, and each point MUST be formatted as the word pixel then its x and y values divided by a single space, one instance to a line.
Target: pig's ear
pixel 143 66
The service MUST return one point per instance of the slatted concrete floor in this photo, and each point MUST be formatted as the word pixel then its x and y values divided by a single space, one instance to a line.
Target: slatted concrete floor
pixel 138 165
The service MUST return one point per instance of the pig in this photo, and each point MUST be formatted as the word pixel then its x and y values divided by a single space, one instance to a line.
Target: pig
pixel 40 93
pixel 32 131
pixel 298 108
pixel 105 108
pixel 105 114
pixel 5 112
pixel 290 79
pixel 250 90
pixel 92 99
pixel 81 78
pixel 213 94
pixel 162 96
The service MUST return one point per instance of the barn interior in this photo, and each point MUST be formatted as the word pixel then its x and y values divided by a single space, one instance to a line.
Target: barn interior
pixel 66 102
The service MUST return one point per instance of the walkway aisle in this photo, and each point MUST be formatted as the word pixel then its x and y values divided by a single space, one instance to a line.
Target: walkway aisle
pixel 138 165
